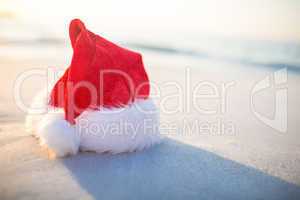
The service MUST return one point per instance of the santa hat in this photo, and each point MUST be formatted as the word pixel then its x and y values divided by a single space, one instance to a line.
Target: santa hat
pixel 101 103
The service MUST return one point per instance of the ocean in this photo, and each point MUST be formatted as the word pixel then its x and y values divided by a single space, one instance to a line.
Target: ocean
pixel 21 40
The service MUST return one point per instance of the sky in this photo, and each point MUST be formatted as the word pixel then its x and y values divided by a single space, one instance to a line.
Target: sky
pixel 258 19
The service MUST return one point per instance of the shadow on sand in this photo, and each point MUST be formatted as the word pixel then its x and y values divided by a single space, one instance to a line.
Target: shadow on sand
pixel 174 170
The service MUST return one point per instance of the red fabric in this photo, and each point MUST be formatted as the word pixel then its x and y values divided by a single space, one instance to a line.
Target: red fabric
pixel 92 55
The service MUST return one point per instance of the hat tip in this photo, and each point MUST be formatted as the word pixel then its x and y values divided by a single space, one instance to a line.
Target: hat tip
pixel 75 28
pixel 76 23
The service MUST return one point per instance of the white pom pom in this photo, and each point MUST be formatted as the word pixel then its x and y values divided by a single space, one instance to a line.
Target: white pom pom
pixel 38 108
pixel 58 135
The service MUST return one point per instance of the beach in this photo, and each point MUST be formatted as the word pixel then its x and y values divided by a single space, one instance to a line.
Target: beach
pixel 224 75
pixel 215 146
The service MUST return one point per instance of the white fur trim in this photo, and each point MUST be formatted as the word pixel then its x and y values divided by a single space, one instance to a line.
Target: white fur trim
pixel 117 130
pixel 127 129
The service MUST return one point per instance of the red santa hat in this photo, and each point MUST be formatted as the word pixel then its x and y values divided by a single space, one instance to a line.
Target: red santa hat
pixel 101 102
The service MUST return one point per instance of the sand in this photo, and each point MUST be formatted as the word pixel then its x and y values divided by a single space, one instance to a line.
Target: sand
pixel 254 161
